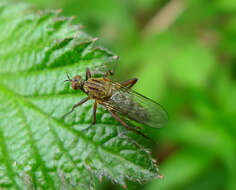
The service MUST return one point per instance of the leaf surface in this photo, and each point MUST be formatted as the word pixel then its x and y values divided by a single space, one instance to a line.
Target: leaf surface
pixel 39 149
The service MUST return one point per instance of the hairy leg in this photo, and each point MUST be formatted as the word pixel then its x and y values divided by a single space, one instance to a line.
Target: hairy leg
pixel 76 105
pixel 126 125
pixel 129 83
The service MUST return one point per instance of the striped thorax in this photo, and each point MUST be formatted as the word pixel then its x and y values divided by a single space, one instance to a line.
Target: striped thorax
pixel 99 88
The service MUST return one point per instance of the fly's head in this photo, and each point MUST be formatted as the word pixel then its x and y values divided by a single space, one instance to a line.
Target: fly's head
pixel 76 83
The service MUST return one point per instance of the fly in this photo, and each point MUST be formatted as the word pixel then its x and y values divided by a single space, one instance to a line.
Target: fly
pixel 119 99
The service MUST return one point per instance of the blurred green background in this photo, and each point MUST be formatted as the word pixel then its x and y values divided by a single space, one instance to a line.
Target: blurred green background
pixel 184 54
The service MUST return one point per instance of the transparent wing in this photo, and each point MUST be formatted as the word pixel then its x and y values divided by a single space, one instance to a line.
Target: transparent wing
pixel 137 107
pixel 102 66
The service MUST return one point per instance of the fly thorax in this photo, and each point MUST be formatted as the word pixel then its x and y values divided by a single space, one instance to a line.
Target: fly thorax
pixel 97 88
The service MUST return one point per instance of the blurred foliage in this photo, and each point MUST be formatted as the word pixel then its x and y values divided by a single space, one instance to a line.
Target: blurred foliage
pixel 188 66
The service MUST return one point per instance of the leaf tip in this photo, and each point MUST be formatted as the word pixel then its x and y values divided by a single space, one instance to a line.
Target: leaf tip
pixel 148 151
pixel 124 186
pixel 100 178
pixel 154 161
pixel 95 39
pixel 72 17
pixel 115 57
pixel 59 11
pixel 160 176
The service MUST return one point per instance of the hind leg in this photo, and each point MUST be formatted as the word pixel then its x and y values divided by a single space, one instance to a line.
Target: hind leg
pixel 122 122
pixel 129 83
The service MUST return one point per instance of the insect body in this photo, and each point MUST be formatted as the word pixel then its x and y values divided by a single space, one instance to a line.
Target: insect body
pixel 99 88
pixel 118 98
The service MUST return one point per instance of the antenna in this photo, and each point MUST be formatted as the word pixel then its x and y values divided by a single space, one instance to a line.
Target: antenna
pixel 69 79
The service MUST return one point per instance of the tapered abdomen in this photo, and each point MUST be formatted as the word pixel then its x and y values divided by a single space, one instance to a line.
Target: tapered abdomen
pixel 137 107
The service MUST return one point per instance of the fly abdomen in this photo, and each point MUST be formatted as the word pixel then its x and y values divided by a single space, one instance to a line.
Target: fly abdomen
pixel 125 105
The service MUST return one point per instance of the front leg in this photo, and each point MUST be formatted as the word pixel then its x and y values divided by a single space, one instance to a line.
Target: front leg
pixel 76 105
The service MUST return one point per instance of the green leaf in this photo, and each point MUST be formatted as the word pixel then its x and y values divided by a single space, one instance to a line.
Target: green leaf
pixel 39 149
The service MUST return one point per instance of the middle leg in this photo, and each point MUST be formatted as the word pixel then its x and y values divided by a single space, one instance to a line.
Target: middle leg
pixel 126 125
pixel 76 105
pixel 94 112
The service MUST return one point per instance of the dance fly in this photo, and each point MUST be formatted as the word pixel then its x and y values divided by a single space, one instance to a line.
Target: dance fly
pixel 119 99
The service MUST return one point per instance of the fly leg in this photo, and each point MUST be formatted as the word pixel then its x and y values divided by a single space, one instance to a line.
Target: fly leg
pixel 129 83
pixel 93 116
pixel 94 112
pixel 132 129
pixel 76 105
pixel 109 72
pixel 88 73
pixel 125 124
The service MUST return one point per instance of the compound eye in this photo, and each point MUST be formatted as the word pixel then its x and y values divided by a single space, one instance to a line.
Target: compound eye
pixel 76 82
pixel 77 78
pixel 74 85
